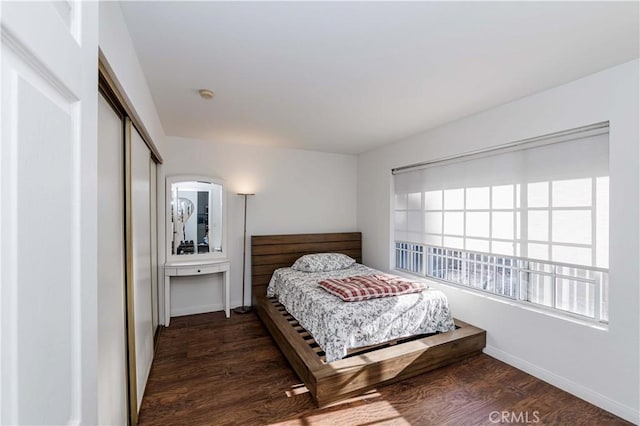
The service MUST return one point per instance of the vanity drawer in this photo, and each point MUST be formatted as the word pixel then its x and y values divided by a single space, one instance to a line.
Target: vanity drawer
pixel 200 270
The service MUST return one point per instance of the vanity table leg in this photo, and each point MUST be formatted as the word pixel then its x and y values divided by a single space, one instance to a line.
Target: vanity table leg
pixel 167 300
pixel 226 294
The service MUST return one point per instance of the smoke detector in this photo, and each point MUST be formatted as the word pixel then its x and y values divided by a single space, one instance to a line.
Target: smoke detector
pixel 206 93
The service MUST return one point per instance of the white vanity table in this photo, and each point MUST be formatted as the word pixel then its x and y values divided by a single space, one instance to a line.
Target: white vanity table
pixel 183 269
pixel 196 233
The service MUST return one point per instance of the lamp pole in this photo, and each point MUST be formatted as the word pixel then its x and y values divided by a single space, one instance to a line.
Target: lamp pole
pixel 244 309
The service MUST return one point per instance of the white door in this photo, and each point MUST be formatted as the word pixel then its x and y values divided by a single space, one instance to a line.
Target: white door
pixel 142 276
pixel 48 214
pixel 112 351
pixel 155 319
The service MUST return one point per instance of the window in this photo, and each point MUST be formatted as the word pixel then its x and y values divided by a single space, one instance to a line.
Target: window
pixel 527 221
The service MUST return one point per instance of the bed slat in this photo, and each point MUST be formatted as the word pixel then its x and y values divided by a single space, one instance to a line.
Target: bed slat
pixel 258 240
pixel 287 259
pixel 333 246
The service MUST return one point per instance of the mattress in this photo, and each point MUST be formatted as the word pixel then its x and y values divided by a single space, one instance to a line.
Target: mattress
pixel 338 326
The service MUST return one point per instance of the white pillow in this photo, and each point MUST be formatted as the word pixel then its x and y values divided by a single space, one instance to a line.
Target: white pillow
pixel 322 262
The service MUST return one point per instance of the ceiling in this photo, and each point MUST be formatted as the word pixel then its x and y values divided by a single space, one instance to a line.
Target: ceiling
pixel 347 77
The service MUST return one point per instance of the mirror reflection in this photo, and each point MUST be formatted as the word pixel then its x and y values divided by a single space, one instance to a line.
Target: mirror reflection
pixel 196 217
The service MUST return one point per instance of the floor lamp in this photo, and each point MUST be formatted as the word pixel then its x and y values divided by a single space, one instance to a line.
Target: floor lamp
pixel 244 309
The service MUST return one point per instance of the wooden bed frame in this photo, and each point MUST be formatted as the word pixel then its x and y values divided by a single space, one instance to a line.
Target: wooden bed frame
pixel 363 368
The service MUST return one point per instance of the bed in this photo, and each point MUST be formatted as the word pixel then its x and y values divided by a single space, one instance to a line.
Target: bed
pixel 352 365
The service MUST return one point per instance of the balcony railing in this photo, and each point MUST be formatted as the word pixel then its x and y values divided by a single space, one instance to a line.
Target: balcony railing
pixel 574 289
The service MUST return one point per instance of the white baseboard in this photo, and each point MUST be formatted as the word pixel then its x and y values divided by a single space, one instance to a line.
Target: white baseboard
pixel 567 385
pixel 201 309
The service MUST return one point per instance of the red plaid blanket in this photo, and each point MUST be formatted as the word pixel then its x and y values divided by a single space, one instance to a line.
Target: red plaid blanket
pixel 363 287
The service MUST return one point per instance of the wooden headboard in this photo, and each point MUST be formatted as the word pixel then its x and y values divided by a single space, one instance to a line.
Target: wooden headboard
pixel 270 252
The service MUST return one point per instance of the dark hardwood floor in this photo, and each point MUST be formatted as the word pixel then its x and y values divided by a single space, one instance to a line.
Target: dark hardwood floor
pixel 209 370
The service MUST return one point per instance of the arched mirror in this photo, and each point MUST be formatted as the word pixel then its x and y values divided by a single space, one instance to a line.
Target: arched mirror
pixel 196 228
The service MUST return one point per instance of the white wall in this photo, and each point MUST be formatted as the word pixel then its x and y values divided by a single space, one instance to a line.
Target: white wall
pixel 117 49
pixel 296 192
pixel 600 366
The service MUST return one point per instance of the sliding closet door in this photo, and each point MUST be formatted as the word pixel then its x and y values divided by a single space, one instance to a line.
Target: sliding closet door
pixel 112 362
pixel 141 256
pixel 154 246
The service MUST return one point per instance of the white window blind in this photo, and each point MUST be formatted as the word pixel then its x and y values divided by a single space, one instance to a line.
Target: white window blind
pixel 529 220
